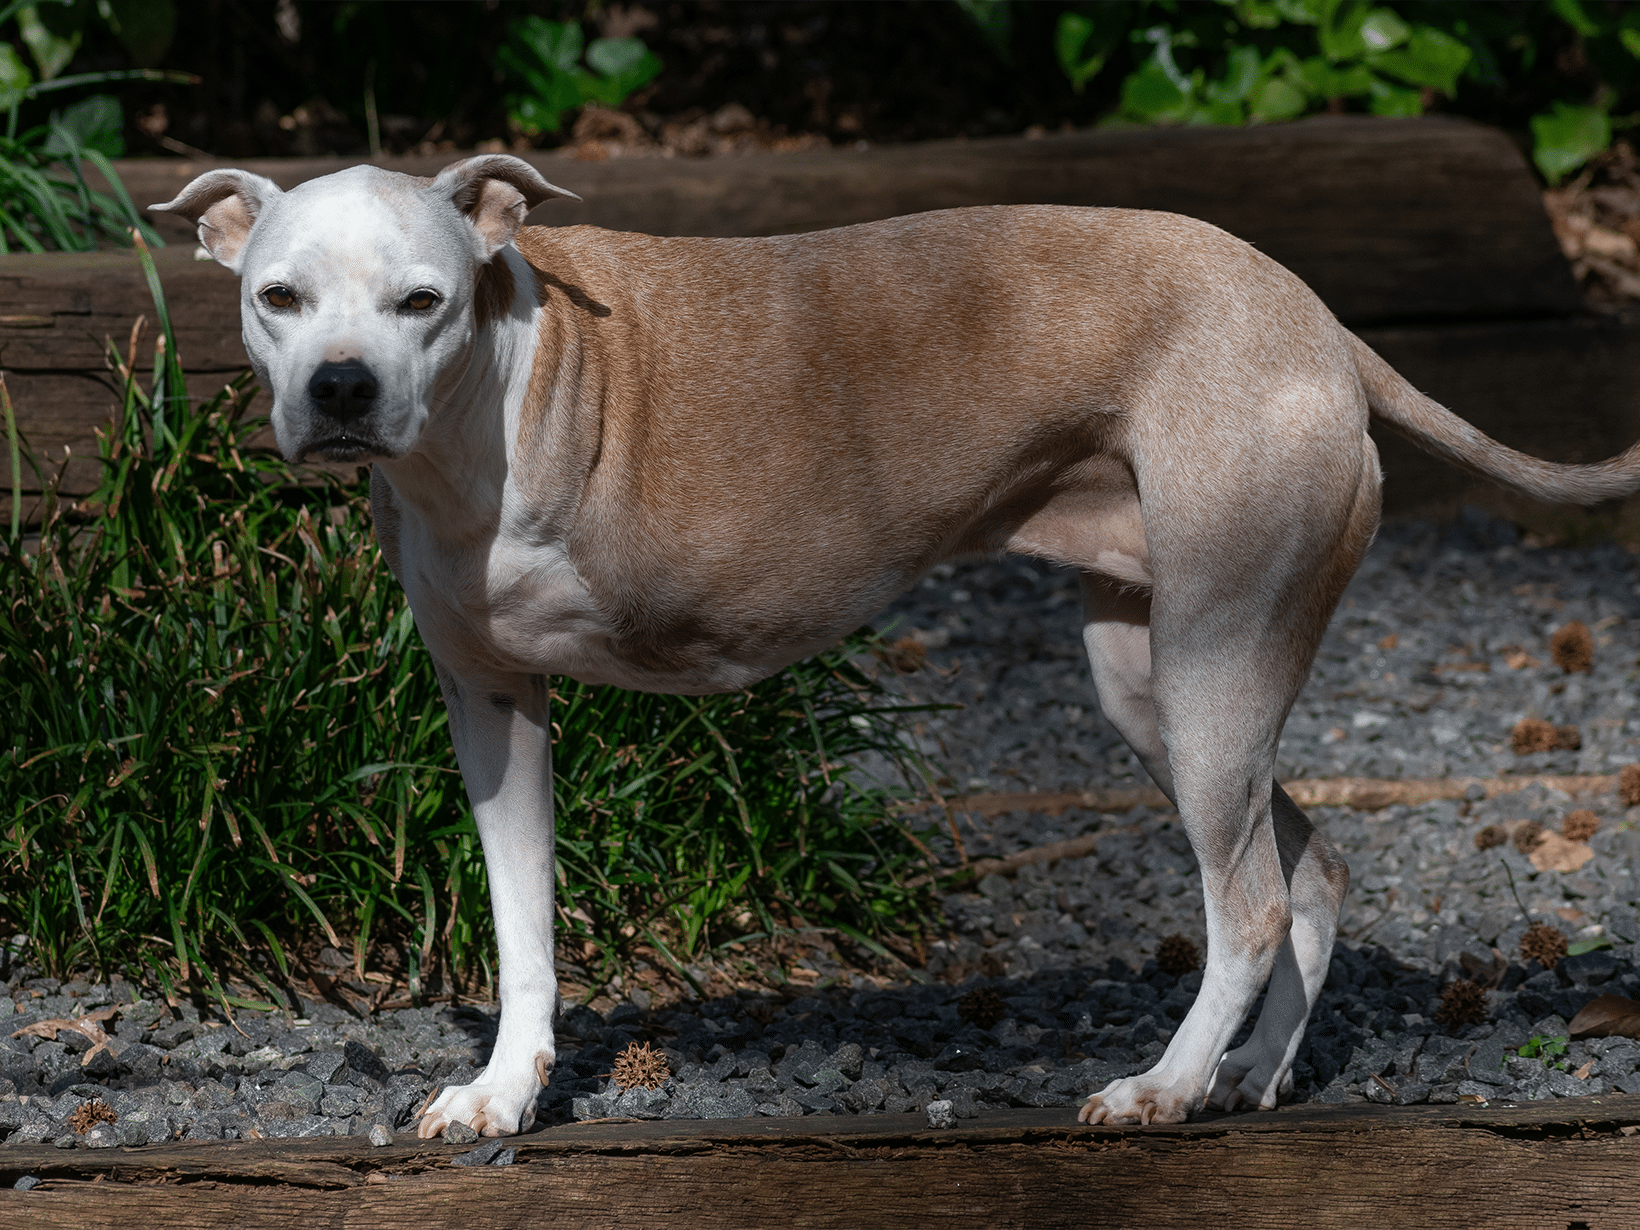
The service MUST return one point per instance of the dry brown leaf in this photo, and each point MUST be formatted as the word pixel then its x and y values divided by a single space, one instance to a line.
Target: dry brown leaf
pixel 1628 785
pixel 1580 825
pixel 1555 853
pixel 1582 1073
pixel 1610 1016
pixel 89 1025
pixel 1532 735
pixel 1527 835
pixel 1572 648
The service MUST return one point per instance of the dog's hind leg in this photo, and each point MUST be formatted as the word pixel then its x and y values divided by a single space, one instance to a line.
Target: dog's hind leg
pixel 1234 623
pixel 1116 632
pixel 504 745
pixel 1259 1073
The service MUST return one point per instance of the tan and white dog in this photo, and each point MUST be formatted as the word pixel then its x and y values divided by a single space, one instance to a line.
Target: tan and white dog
pixel 679 465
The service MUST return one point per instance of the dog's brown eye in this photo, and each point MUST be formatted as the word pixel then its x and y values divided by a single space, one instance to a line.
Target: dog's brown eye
pixel 279 296
pixel 420 300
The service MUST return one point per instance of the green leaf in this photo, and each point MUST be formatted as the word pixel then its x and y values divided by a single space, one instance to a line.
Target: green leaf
pixel 51 51
pixel 1571 12
pixel 557 44
pixel 1241 73
pixel 1277 99
pixel 1152 95
pixel 1566 137
pixel 1070 38
pixel 14 77
pixel 1631 41
pixel 1394 100
pixel 1431 58
pixel 1593 944
pixel 92 123
pixel 144 27
pixel 1381 30
pixel 995 20
pixel 1340 37
pixel 626 64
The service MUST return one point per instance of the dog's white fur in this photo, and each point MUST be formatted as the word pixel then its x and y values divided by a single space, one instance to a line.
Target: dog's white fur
pixel 681 464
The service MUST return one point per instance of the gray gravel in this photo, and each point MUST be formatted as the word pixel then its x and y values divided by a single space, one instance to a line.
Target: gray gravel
pixel 1068 949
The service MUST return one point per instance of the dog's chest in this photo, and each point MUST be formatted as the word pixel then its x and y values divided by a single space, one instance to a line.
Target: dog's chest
pixel 502 607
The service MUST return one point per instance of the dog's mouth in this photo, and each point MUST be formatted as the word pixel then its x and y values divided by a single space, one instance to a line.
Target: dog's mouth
pixel 346 448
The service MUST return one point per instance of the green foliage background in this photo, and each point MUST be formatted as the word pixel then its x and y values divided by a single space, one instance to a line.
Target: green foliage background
pixel 1242 61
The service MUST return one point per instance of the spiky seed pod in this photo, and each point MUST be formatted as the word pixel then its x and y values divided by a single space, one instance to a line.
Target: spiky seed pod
pixel 1490 836
pixel 1532 735
pixel 982 1007
pixel 1527 836
pixel 1543 944
pixel 641 1066
pixel 88 1114
pixel 1572 648
pixel 1628 785
pixel 1177 955
pixel 905 656
pixel 1580 825
pixel 1462 1003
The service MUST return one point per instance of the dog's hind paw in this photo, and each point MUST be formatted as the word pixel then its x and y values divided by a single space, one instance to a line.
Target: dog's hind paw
pixel 1244 1082
pixel 1138 1099
pixel 489 1108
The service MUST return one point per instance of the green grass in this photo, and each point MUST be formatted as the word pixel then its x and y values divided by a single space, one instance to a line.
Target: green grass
pixel 45 201
pixel 225 738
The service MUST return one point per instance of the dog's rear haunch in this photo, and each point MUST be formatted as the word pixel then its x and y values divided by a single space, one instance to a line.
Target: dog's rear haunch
pixel 681 464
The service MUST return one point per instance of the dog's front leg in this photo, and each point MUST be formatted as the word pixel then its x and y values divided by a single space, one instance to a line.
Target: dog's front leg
pixel 504 744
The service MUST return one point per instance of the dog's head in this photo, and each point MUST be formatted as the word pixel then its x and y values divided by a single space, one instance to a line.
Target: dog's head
pixel 357 288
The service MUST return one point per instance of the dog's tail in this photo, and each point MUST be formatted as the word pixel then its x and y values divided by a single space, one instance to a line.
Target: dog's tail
pixel 1435 429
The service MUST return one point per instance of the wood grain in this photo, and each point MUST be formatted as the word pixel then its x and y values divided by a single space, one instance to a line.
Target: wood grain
pixel 1385 219
pixel 1530 1166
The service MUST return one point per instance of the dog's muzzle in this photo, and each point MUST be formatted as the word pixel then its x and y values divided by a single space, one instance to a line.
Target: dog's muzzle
pixel 342 397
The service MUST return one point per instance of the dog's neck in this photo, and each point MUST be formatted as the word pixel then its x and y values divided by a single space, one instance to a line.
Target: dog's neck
pixel 462 477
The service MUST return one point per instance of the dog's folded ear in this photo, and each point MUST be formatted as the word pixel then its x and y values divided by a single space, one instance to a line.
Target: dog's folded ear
pixel 495 191
pixel 225 205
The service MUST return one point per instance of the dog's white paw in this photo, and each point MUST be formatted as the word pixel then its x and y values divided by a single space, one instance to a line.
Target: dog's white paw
pixel 491 1107
pixel 1147 1098
pixel 1247 1080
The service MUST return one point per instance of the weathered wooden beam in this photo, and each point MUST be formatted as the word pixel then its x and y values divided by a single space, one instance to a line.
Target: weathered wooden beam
pixel 1534 1166
pixel 1385 219
pixel 1432 219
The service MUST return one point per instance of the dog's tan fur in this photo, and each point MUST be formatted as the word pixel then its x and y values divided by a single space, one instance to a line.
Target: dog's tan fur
pixel 681 464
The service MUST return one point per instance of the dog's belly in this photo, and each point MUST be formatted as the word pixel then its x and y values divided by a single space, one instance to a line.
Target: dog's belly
pixel 721 620
pixel 526 610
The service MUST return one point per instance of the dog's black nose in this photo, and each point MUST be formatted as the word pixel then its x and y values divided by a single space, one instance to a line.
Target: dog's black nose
pixel 343 390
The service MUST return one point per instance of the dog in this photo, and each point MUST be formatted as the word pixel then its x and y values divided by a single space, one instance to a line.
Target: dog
pixel 679 465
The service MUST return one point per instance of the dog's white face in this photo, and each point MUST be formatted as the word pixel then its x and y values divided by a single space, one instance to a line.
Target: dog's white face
pixel 357 290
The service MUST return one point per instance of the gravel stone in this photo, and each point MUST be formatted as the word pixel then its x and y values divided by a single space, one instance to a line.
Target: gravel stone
pixel 484 1155
pixel 942 1114
pixel 380 1135
pixel 324 1066
pixel 102 1136
pixel 459 1134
